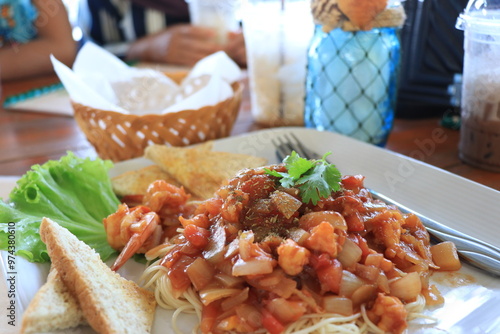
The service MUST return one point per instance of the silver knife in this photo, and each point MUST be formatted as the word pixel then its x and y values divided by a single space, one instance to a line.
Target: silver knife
pixel 476 252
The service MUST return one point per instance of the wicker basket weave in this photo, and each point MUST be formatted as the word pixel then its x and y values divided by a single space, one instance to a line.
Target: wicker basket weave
pixel 118 136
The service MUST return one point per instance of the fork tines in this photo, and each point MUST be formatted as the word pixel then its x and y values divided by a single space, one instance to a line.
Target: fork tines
pixel 289 142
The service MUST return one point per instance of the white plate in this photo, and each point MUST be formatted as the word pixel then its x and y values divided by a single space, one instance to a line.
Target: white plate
pixel 472 297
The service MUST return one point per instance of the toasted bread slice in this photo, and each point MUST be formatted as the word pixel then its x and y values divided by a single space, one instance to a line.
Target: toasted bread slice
pixel 110 303
pixel 136 182
pixel 201 172
pixel 52 308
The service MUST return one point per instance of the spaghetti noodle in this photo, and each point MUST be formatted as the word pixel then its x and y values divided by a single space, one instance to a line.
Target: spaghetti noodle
pixel 321 323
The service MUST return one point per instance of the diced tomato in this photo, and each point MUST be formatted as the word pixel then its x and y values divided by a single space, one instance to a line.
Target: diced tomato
pixel 330 277
pixel 353 182
pixel 171 257
pixel 270 323
pixel 354 222
pixel 177 273
pixel 209 314
pixel 320 261
pixel 259 186
pixel 351 208
pixel 197 236
pixel 329 272
pixel 361 242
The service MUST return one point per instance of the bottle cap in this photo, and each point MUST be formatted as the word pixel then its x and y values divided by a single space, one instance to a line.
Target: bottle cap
pixel 482 16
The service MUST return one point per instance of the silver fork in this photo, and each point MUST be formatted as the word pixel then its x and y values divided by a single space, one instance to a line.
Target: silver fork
pixel 476 252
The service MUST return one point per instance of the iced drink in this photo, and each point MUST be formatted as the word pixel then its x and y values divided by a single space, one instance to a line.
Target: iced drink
pixel 276 40
pixel 480 144
pixel 219 15
pixel 480 130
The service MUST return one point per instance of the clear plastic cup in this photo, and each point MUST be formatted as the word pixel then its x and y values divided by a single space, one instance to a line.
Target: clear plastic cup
pixel 221 15
pixel 480 116
pixel 277 35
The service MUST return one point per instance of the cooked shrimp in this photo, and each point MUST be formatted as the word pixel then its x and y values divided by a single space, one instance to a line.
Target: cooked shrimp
pixel 323 239
pixel 170 203
pixel 389 314
pixel 165 198
pixel 132 231
pixel 292 257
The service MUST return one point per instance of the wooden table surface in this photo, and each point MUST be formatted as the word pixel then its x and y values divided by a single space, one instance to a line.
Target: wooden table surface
pixel 28 138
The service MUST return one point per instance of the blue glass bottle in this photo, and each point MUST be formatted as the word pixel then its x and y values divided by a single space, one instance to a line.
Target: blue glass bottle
pixel 352 81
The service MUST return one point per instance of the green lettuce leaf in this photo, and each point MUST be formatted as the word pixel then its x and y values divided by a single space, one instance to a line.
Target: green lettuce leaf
pixel 74 192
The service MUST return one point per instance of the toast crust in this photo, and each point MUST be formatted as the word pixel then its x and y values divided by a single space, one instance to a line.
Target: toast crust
pixel 52 308
pixel 110 303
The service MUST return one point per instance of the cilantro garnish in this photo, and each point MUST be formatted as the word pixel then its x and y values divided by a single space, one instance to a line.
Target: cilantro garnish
pixel 315 179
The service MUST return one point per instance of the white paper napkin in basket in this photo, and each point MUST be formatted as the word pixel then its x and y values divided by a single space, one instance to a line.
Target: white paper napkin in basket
pixel 102 81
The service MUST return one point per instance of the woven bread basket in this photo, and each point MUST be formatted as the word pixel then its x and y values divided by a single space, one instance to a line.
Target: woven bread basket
pixel 118 136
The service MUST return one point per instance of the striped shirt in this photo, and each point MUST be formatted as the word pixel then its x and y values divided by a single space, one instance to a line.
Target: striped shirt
pixel 116 23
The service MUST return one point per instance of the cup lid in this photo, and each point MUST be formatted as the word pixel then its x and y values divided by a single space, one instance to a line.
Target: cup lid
pixel 480 14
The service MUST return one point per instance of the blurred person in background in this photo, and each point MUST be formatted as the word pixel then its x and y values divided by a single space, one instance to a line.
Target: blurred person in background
pixel 31 30
pixel 156 31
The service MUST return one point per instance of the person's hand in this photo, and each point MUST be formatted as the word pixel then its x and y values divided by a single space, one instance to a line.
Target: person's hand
pixel 54 37
pixel 181 44
pixel 235 48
